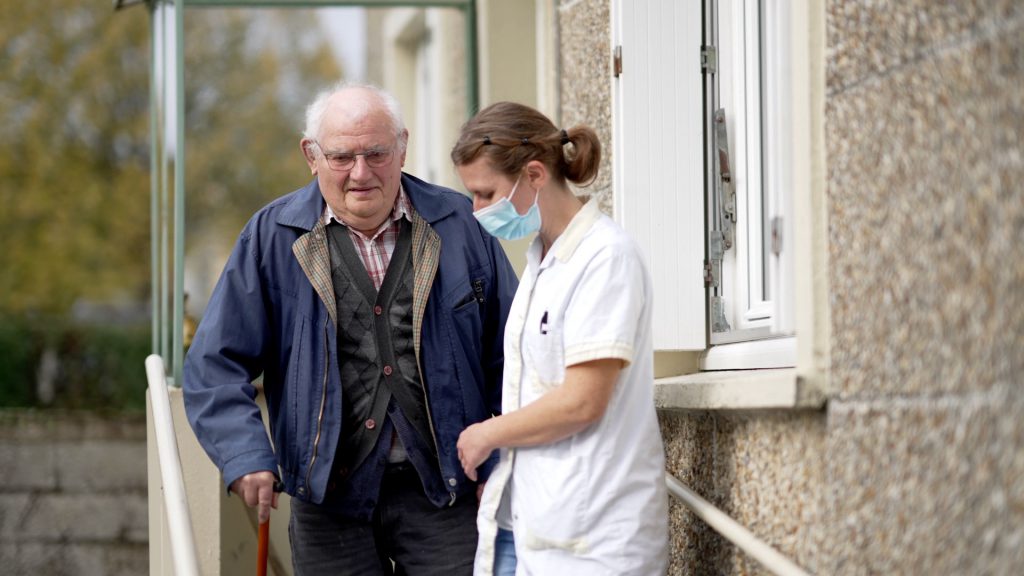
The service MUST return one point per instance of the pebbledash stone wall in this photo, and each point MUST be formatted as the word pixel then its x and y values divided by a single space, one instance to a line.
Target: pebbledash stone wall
pixel 73 494
pixel 916 465
pixel 925 440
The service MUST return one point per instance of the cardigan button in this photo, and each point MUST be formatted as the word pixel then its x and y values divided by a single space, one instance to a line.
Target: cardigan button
pixel 378 310
pixel 370 424
pixel 387 370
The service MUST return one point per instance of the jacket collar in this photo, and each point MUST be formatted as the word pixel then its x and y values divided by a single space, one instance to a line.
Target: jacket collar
pixel 307 203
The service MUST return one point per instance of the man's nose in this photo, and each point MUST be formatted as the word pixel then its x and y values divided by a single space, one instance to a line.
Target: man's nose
pixel 360 169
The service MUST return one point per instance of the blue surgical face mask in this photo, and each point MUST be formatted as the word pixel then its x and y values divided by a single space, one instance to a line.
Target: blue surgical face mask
pixel 502 220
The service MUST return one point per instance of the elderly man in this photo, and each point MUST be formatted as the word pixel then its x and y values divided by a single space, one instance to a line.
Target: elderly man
pixel 373 304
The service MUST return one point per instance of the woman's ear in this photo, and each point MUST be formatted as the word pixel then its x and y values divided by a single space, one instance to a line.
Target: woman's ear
pixel 537 174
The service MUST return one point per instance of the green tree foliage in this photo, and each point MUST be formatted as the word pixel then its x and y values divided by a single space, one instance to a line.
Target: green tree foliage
pixel 74 141
pixel 73 153
pixel 245 113
pixel 75 181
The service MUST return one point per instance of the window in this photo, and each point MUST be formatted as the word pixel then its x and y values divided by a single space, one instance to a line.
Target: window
pixel 704 139
pixel 746 143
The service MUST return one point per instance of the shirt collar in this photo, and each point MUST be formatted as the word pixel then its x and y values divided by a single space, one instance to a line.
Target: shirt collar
pixel 569 240
pixel 402 208
pixel 578 227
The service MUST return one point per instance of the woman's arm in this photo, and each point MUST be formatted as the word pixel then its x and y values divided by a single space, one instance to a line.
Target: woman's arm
pixel 580 401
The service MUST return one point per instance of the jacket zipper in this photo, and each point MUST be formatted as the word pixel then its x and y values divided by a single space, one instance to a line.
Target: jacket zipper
pixel 320 417
pixel 430 422
pixel 426 400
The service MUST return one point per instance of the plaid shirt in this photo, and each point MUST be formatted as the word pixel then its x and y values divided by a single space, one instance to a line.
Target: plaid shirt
pixel 375 251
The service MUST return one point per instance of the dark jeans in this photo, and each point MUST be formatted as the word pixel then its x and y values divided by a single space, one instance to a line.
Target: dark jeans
pixel 407 529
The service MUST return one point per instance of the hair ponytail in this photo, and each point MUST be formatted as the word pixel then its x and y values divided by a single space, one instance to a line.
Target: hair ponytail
pixel 510 135
pixel 583 159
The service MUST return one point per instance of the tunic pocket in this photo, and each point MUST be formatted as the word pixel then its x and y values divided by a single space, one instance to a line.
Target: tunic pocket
pixel 545 359
pixel 550 497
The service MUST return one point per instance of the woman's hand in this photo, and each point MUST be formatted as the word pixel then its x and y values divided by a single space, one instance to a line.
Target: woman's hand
pixel 474 447
pixel 580 401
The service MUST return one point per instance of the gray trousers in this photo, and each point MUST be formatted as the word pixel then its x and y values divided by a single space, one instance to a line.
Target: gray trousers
pixel 408 535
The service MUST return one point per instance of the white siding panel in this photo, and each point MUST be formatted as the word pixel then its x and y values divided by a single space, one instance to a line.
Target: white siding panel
pixel 658 158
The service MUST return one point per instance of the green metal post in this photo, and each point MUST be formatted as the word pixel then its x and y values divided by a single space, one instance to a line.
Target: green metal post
pixel 165 200
pixel 177 343
pixel 472 84
pixel 154 199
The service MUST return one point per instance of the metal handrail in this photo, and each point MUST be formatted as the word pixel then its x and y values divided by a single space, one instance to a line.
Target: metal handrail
pixel 722 523
pixel 183 546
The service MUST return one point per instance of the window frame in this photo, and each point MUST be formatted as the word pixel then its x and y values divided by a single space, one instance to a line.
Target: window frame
pixel 747 84
pixel 799 272
pixel 742 92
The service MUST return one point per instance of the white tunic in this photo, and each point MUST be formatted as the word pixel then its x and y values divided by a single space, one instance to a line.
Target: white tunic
pixel 594 503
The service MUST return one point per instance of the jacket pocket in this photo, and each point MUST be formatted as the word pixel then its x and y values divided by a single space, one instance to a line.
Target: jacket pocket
pixel 297 393
pixel 466 337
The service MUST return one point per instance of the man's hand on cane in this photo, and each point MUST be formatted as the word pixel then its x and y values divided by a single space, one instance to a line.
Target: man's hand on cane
pixel 257 489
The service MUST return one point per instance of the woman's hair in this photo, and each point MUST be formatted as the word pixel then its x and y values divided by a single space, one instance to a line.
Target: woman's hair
pixel 510 135
pixel 316 110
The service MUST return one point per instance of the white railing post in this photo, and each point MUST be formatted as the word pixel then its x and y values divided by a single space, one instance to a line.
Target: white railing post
pixel 722 523
pixel 183 547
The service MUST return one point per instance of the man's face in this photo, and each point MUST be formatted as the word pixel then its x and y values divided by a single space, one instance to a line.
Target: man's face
pixel 362 195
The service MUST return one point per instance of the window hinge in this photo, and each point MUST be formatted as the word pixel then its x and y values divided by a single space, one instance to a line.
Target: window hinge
pixel 777 235
pixel 708 59
pixel 709 275
pixel 617 61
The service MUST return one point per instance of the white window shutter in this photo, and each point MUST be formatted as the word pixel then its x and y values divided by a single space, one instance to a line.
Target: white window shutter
pixel 658 158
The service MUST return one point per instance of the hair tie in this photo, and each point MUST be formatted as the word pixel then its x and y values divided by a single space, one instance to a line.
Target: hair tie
pixel 525 141
pixel 487 140
pixel 565 137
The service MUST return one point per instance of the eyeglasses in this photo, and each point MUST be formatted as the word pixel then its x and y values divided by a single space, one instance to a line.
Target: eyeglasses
pixel 342 161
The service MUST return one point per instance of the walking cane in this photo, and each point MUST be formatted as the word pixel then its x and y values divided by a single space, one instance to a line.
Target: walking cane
pixel 263 549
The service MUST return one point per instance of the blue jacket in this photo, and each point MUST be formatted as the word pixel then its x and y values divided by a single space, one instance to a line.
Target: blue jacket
pixel 272 313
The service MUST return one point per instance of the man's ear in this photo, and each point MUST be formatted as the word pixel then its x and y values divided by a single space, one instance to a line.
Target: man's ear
pixel 403 142
pixel 537 174
pixel 309 154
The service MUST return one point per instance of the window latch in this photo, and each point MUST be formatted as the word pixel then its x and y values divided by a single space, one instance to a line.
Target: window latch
pixel 722 234
pixel 726 191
